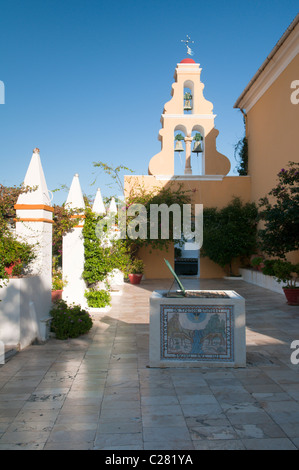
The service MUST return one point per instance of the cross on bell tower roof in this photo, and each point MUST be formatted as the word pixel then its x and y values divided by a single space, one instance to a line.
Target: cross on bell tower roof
pixel 187 41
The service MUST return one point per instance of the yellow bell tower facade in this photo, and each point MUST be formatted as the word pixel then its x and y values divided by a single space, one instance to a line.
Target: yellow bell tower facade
pixel 190 114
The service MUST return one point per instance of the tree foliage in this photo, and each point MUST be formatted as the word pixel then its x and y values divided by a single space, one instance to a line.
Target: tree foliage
pixel 279 211
pixel 229 233
pixel 113 172
pixel 241 153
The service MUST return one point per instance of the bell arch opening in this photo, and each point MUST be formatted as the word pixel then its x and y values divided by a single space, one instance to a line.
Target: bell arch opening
pixel 179 149
pixel 188 97
pixel 198 150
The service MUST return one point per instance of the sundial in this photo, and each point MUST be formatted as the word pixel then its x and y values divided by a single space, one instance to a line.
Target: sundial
pixel 182 291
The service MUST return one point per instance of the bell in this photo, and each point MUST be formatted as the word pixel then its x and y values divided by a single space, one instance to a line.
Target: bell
pixel 187 105
pixel 178 146
pixel 197 148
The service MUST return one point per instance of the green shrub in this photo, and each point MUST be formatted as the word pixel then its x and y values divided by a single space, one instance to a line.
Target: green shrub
pixel 229 233
pixel 69 321
pixel 98 298
pixel 283 271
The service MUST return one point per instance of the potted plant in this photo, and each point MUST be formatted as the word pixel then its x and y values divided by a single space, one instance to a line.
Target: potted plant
pixel 13 268
pixel 136 270
pixel 257 262
pixel 58 283
pixel 288 273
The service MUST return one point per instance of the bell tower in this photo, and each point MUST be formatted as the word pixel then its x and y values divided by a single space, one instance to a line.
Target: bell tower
pixel 188 127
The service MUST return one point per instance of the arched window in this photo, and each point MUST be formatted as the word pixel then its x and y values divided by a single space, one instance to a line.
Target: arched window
pixel 188 97
pixel 179 150
pixel 198 144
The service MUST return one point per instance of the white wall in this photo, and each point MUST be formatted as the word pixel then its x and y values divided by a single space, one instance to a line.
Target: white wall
pixel 260 279
pixel 25 302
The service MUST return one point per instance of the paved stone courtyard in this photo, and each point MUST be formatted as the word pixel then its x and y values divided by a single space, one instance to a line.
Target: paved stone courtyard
pixel 97 391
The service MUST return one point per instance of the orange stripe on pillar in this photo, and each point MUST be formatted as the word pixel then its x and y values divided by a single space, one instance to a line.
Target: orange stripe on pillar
pixel 33 206
pixel 49 221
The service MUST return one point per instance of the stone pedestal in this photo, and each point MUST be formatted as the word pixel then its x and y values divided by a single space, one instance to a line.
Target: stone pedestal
pixel 205 328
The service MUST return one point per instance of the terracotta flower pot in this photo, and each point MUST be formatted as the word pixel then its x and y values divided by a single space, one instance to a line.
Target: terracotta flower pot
pixel 135 278
pixel 56 295
pixel 9 269
pixel 292 295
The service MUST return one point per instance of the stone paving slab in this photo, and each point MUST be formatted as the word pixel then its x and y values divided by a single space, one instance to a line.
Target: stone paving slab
pixel 97 391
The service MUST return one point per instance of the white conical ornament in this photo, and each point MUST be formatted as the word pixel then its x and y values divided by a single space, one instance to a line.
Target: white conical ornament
pixel 75 198
pixel 35 178
pixel 98 204
pixel 112 207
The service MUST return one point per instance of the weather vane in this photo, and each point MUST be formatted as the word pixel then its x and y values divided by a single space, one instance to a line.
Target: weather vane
pixel 187 41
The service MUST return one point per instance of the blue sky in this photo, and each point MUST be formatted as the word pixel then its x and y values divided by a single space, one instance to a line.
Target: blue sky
pixel 86 80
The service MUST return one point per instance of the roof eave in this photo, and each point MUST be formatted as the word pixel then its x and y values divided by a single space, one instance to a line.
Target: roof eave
pixel 267 60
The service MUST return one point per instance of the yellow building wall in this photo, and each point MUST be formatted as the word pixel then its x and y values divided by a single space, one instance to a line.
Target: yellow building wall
pixel 272 132
pixel 210 194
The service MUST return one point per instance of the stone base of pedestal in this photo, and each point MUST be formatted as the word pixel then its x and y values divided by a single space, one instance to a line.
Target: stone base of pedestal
pixel 202 329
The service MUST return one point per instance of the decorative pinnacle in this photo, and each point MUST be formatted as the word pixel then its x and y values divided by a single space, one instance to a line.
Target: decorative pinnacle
pixel 187 41
pixel 36 150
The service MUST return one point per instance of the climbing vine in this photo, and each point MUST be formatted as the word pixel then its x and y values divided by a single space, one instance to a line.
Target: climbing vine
pixel 168 195
pixel 102 255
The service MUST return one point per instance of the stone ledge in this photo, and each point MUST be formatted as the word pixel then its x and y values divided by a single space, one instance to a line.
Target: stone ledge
pixel 262 280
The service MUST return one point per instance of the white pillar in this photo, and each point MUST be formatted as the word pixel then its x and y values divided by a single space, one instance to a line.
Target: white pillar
pixel 73 249
pixel 188 169
pixel 34 226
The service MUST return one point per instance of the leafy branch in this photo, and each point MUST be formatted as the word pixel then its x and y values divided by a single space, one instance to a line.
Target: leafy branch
pixel 113 172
